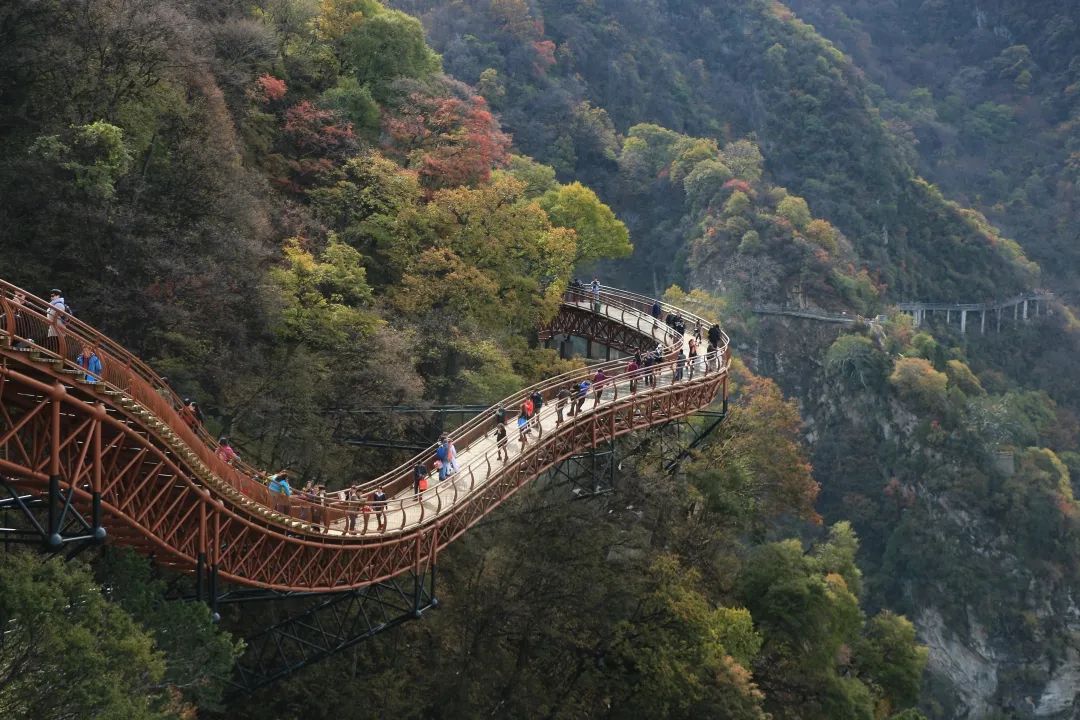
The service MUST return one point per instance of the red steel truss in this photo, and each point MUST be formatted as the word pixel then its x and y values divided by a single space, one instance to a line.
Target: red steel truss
pixel 118 445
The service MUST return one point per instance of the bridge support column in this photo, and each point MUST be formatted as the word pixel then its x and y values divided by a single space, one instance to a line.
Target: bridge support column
pixel 948 317
pixel 982 322
pixel 607 352
pixel 999 319
pixel 1016 311
pixel 588 348
pixel 1025 311
pixel 963 322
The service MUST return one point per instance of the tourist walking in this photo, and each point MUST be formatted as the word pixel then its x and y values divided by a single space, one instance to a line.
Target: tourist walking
pixel 500 443
pixel 538 402
pixel 89 361
pixel 281 490
pixel 419 474
pixel 57 310
pixel 225 451
pixel 598 386
pixel 582 396
pixel 560 403
pixel 632 368
pixel 378 505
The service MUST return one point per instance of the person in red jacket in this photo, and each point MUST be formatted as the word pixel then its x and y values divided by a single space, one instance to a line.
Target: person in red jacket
pixel 598 386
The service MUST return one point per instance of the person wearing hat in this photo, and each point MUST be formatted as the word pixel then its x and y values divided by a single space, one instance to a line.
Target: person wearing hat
pixel 57 309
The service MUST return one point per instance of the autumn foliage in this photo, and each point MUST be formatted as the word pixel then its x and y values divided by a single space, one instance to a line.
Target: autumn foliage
pixel 449 141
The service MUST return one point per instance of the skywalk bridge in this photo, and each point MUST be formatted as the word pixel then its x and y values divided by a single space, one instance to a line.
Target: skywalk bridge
pixel 109 459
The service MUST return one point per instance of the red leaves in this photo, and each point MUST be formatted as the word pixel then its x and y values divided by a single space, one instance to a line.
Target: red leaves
pixel 269 88
pixel 313 131
pixel 312 139
pixel 737 185
pixel 545 55
pixel 448 141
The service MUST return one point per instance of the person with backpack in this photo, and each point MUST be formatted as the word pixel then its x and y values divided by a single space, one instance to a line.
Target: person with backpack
pixel 655 311
pixel 582 396
pixel 89 361
pixel 57 310
pixel 680 362
pixel 596 293
pixel 523 430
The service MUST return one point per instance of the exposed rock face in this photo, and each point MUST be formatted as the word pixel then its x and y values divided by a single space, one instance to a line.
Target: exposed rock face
pixel 1059 696
pixel 970 667
pixel 1011 648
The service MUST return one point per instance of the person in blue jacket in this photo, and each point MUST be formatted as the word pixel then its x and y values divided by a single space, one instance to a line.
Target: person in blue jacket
pixel 90 362
pixel 279 485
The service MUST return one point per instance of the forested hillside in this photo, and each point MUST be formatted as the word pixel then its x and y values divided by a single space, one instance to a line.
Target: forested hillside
pixel 847 169
pixel 986 97
pixel 294 208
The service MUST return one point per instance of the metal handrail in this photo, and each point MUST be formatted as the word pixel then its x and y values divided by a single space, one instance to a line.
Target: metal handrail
pixel 125 375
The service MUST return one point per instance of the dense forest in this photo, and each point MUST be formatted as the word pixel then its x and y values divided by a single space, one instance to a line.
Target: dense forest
pixel 295 208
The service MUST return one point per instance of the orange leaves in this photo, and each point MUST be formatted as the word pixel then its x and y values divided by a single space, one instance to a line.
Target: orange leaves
pixel 269 89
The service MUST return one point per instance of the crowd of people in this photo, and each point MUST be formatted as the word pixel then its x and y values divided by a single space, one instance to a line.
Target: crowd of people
pixel 322 508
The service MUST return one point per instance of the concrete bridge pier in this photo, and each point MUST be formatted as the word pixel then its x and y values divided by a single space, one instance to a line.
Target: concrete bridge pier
pixel 963 321
pixel 1025 310
pixel 982 321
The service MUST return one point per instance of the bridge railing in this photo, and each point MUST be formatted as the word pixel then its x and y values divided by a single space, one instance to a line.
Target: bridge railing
pixel 464 436
pixel 34 325
pixel 470 479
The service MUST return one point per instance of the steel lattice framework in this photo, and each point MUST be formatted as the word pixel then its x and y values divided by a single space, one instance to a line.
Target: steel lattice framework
pixel 114 452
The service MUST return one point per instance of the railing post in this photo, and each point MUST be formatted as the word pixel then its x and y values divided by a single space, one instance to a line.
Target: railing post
pixel 9 317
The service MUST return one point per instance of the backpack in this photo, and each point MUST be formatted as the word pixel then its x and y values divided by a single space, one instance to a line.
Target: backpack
pixel 441 453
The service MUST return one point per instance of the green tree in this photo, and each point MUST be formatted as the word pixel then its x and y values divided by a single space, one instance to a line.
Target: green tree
pixel 198 655
pixel 379 46
pixel 69 653
pixel 916 380
pixel 599 233
pixel 888 657
pixel 680 657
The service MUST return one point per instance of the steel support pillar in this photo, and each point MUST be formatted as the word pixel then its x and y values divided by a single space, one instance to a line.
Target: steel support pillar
pixel 49 519
pixel 317 626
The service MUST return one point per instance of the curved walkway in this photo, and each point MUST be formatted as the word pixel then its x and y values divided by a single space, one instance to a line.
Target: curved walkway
pixel 117 442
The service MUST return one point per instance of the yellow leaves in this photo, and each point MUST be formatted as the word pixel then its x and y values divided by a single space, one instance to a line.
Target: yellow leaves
pixel 323 299
pixel 916 380
pixel 338 18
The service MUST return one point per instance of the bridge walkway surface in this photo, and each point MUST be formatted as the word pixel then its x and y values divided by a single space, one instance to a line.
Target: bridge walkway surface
pixel 110 457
